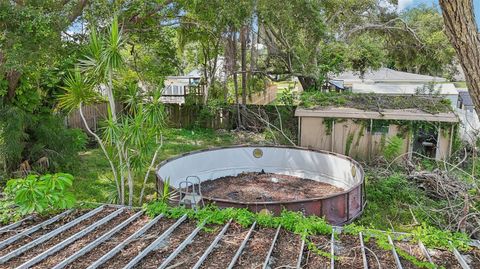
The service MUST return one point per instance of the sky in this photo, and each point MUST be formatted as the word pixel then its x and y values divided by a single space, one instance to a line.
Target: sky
pixel 404 4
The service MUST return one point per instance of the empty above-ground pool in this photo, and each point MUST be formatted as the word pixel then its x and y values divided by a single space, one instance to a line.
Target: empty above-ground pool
pixel 268 178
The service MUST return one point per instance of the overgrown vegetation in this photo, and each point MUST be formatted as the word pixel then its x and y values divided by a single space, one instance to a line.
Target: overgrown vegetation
pixel 38 142
pixel 407 205
pixel 93 179
pixel 311 225
pixel 393 148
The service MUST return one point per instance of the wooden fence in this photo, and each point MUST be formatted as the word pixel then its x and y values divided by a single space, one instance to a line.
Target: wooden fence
pixel 252 117
pixel 94 115
pixel 264 97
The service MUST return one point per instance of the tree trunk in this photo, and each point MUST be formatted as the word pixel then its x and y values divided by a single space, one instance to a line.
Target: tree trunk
pixel 463 33
pixel 13 77
pixel 205 75
pixel 308 83
pixel 243 44
pixel 235 79
pixel 102 146
pixel 252 52
pixel 111 98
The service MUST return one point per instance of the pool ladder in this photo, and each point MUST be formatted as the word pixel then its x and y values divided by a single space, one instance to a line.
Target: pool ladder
pixel 190 192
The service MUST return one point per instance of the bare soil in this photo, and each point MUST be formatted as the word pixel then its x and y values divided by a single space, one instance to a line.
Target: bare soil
pixel 385 257
pixel 190 255
pixel 36 219
pixel 156 257
pixel 444 258
pixel 412 249
pixel 102 249
pixel 226 248
pixel 473 258
pixel 286 250
pixel 55 240
pixel 257 248
pixel 314 260
pixel 79 244
pixel 134 248
pixel 263 187
pixel 348 251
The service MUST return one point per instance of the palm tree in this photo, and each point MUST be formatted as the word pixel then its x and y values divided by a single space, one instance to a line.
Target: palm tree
pixel 79 91
pixel 103 57
pixel 132 138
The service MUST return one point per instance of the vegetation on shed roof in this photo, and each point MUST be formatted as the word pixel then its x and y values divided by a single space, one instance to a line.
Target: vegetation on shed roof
pixel 375 102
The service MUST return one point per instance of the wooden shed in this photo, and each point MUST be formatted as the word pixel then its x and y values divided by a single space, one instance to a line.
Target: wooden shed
pixel 364 134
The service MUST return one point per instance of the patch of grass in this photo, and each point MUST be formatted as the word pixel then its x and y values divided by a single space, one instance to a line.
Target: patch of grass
pixel 395 203
pixel 92 182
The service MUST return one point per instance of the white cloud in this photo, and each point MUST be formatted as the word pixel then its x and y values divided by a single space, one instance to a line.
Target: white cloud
pixel 402 4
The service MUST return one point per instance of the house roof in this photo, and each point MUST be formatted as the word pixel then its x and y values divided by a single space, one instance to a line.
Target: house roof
pixel 385 88
pixel 386 75
pixel 387 114
pixel 466 98
pixel 195 73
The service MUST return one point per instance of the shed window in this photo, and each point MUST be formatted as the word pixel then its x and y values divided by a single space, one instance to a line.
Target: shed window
pixel 380 127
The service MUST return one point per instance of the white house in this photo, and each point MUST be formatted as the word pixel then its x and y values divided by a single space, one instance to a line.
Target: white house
pixel 177 87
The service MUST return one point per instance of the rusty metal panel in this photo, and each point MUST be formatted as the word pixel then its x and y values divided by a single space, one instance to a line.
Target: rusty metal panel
pixel 334 209
pixel 355 202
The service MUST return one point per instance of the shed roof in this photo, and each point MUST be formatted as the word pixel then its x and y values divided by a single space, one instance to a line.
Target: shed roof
pixel 431 104
pixel 387 114
pixel 387 75
pixel 385 88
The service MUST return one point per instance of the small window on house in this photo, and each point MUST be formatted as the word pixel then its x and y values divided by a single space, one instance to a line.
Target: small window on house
pixel 175 90
pixel 167 90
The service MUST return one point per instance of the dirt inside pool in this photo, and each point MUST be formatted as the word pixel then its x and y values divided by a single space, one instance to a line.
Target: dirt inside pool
pixel 263 187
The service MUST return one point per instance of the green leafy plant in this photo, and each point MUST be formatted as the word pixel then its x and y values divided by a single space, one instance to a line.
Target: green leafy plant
pixel 434 237
pixel 41 193
pixel 166 192
pixel 393 148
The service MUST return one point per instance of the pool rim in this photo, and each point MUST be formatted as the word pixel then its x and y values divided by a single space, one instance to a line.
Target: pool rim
pixel 313 199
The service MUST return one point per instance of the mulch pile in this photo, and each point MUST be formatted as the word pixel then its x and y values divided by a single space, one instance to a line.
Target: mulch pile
pixel 264 187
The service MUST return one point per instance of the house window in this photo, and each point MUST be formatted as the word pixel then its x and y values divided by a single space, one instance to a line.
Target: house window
pixel 167 90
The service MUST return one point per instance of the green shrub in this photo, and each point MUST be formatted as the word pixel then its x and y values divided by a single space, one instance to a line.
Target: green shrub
pixel 31 136
pixel 393 148
pixel 41 193
pixel 50 138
